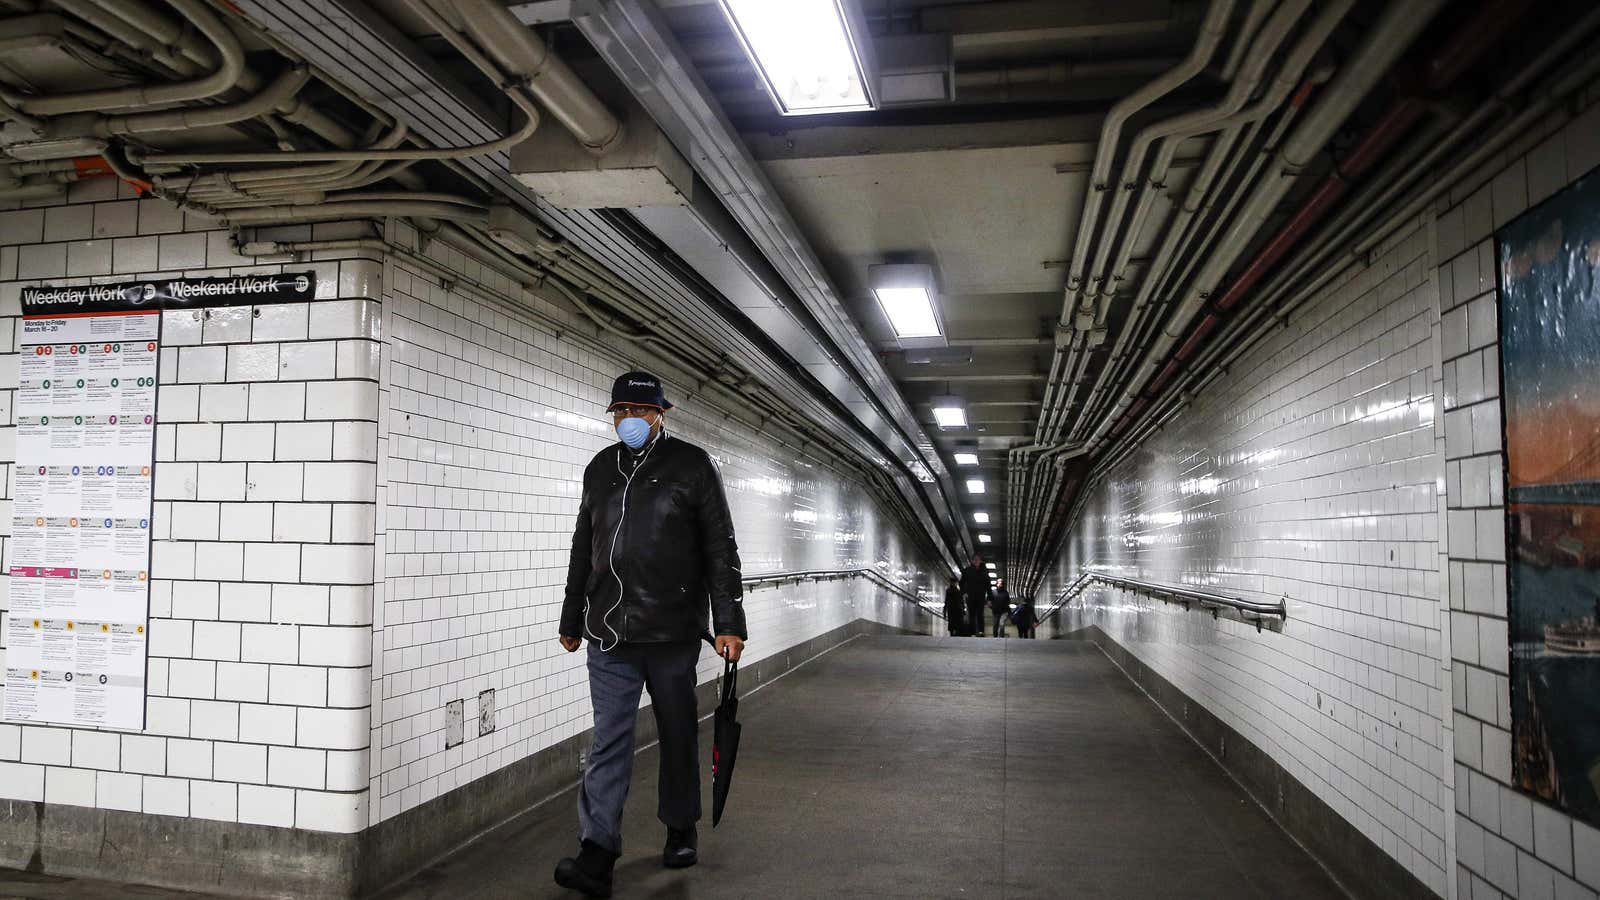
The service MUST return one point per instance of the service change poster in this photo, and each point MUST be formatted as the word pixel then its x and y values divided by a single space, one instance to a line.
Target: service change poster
pixel 80 560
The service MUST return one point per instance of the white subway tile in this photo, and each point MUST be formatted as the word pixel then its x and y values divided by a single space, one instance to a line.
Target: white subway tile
pixel 272 562
pixel 188 759
pixel 145 755
pixel 268 724
pixel 277 402
pixel 214 800
pixel 213 719
pixel 69 787
pixel 269 643
pixel 115 790
pixel 243 763
pixel 346 400
pixel 305 685
pixel 296 767
pixel 95 750
pixel 252 362
pixel 274 482
pixel 312 361
pixel 248 441
pixel 302 522
pixel 166 796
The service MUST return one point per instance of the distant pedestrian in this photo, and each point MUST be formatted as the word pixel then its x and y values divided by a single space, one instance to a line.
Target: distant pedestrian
pixel 1000 604
pixel 955 613
pixel 1025 618
pixel 975 588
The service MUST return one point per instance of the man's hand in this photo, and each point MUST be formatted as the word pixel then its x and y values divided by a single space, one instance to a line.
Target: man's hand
pixel 571 643
pixel 729 647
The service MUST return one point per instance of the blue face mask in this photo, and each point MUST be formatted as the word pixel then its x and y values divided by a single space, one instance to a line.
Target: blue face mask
pixel 634 431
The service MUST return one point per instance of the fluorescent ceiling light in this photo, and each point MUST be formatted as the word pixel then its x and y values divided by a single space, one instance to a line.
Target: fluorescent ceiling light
pixel 906 292
pixel 808 52
pixel 910 312
pixel 975 485
pixel 991 566
pixel 966 459
pixel 982 518
pixel 985 539
pixel 949 412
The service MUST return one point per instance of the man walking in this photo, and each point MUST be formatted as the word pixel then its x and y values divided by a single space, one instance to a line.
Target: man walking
pixel 954 614
pixel 652 554
pixel 1000 605
pixel 975 587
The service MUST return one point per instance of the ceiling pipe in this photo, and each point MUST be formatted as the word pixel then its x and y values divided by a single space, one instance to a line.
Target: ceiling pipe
pixel 353 209
pixel 514 88
pixel 1212 29
pixel 1172 132
pixel 277 94
pixel 172 58
pixel 224 78
pixel 523 54
pixel 1389 38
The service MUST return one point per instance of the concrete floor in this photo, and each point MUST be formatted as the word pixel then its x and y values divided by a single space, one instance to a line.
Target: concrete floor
pixel 926 767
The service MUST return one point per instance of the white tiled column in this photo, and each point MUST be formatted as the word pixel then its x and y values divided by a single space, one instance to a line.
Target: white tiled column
pixel 263 526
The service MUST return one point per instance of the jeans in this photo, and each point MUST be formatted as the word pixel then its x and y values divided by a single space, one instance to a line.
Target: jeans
pixel 615 681
pixel 975 618
pixel 999 623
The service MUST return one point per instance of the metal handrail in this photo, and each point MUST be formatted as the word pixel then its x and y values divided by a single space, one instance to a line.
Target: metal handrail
pixel 1250 610
pixel 774 579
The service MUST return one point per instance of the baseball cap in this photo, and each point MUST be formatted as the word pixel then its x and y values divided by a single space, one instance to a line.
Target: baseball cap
pixel 639 389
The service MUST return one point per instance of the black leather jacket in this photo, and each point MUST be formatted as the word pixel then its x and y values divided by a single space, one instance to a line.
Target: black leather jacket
pixel 975 584
pixel 654 544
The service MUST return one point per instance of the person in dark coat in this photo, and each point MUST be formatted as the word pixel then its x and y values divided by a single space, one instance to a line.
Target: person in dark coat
pixel 654 570
pixel 955 614
pixel 975 588
pixel 1025 618
pixel 1000 605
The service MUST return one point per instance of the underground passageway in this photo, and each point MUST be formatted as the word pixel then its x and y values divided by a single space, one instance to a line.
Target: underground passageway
pixel 936 767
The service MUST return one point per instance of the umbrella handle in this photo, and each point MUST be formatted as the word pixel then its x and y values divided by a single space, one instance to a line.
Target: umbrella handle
pixel 730 680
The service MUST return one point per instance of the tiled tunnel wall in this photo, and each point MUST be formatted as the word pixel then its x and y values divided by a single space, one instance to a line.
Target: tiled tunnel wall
pixel 362 511
pixel 1352 463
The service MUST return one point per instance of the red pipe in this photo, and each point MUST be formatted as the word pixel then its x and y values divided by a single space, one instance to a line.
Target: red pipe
pixel 1193 343
pixel 1378 139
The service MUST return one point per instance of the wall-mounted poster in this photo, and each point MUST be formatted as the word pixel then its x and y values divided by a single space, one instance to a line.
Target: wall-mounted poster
pixel 1550 364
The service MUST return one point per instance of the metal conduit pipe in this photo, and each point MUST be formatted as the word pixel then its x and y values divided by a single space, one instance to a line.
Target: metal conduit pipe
pixel 1211 33
pixel 1172 132
pixel 322 212
pixel 1184 232
pixel 238 183
pixel 161 30
pixel 1200 234
pixel 1390 36
pixel 524 55
pixel 137 39
pixel 1288 75
pixel 225 77
pixel 1212 29
pixel 1178 128
pixel 270 98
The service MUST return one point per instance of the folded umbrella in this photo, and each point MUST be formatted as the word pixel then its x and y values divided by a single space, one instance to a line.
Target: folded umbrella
pixel 725 740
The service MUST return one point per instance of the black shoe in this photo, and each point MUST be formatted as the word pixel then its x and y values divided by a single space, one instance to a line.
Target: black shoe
pixel 590 873
pixel 680 852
